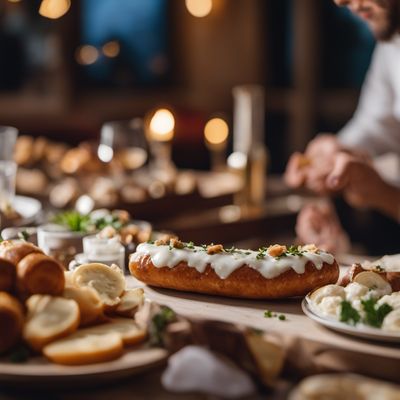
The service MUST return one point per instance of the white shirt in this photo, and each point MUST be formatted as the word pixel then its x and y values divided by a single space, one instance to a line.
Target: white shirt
pixel 375 126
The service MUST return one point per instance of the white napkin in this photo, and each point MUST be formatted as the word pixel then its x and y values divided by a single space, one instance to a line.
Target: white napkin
pixel 196 369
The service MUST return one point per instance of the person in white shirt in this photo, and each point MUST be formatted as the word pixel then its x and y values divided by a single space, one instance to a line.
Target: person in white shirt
pixel 343 163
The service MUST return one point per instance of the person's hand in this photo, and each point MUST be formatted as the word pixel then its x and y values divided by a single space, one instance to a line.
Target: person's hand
pixel 318 223
pixel 362 186
pixel 312 168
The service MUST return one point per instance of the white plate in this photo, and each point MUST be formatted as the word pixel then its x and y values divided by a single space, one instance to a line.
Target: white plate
pixel 359 331
pixel 38 370
pixel 28 208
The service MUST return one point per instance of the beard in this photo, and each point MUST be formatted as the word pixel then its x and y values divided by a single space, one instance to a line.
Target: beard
pixel 391 26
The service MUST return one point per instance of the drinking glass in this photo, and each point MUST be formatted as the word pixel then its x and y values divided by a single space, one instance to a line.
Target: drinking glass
pixel 8 167
pixel 124 140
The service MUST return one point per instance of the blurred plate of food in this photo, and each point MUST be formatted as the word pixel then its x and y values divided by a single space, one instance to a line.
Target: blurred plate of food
pixel 366 306
pixel 23 211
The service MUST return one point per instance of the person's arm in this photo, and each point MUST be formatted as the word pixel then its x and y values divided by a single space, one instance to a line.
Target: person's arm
pixel 373 127
pixel 363 187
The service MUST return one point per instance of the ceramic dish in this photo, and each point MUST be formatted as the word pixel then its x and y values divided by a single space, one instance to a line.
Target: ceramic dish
pixel 359 330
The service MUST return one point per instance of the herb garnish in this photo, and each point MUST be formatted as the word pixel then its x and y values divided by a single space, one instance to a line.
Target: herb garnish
pixel 379 268
pixel 271 314
pixel 374 315
pixel 292 251
pixel 348 314
pixel 189 245
pixel 262 251
pixel 23 235
pixel 159 323
pixel 73 220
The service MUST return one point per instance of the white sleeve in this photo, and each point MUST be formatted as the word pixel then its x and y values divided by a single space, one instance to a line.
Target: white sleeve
pixel 373 127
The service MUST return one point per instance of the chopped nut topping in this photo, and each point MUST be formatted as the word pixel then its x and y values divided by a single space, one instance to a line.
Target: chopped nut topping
pixel 215 248
pixel 176 243
pixel 122 215
pixel 129 233
pixel 276 250
pixel 160 242
pixel 168 236
pixel 311 248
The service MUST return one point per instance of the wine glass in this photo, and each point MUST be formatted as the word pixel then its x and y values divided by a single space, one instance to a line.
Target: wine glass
pixel 125 142
pixel 8 167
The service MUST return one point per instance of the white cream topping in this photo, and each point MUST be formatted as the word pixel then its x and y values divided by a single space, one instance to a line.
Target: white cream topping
pixel 225 263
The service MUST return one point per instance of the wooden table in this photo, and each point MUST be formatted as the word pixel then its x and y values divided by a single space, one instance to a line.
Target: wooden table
pixel 380 360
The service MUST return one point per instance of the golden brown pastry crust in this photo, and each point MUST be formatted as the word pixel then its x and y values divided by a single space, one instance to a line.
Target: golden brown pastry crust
pixel 40 274
pixel 244 282
pixel 15 252
pixel 11 321
pixel 7 275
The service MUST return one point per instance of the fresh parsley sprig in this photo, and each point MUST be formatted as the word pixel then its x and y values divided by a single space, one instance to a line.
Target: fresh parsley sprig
pixel 374 314
pixel 271 314
pixel 348 314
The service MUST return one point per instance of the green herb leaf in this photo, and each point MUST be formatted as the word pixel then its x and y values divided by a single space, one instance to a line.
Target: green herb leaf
pixel 271 314
pixel 374 315
pixel 348 314
pixel 262 251
pixel 73 220
pixel 23 235
pixel 159 323
pixel 268 314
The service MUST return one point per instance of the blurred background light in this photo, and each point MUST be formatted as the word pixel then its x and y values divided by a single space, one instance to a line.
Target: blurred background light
pixel 216 131
pixel 199 8
pixel 54 8
pixel 86 55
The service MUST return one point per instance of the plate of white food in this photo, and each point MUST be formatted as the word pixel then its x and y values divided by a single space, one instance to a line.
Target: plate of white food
pixel 366 307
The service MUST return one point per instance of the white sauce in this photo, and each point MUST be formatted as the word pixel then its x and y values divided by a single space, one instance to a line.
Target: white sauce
pixel 225 263
pixel 355 290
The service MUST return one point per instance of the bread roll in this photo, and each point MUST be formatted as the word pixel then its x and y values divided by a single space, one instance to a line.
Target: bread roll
pixel 89 302
pixel 7 275
pixel 109 282
pixel 131 333
pixel 80 349
pixel 131 300
pixel 40 274
pixel 49 318
pixel 14 252
pixel 272 273
pixel 11 321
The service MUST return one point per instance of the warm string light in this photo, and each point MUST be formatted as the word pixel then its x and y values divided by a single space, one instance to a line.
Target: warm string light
pixel 111 49
pixel 54 9
pixel 86 54
pixel 199 8
pixel 161 127
pixel 216 132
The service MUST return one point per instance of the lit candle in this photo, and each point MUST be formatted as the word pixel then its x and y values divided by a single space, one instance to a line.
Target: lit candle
pixel 160 132
pixel 216 134
pixel 161 127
